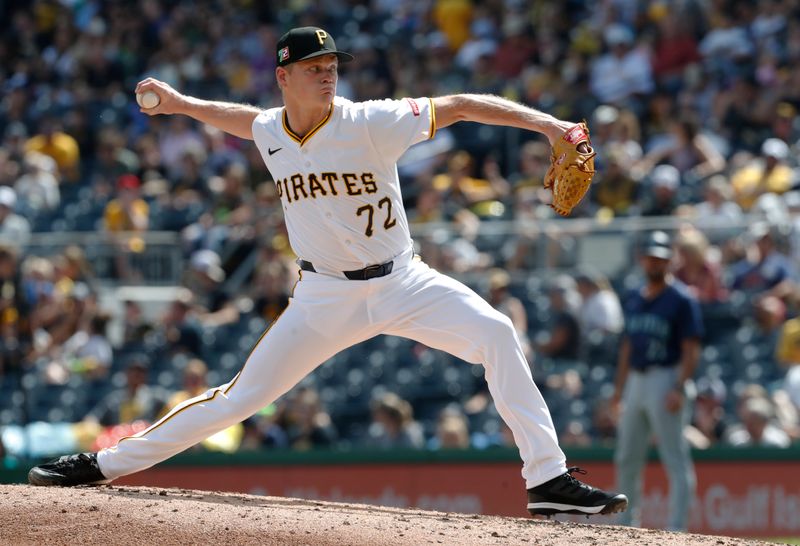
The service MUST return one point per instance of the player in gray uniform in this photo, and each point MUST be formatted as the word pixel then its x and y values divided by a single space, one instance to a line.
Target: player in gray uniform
pixel 334 165
pixel 658 356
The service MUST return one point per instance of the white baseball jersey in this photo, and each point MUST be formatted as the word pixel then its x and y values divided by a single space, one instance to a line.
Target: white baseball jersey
pixel 338 184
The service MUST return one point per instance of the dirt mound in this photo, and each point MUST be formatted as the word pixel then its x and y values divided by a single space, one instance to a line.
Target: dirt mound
pixel 143 515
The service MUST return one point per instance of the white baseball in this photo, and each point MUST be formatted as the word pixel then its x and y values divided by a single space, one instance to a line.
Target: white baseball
pixel 148 99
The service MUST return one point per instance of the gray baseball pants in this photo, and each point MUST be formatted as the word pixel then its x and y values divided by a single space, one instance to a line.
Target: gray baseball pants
pixel 644 415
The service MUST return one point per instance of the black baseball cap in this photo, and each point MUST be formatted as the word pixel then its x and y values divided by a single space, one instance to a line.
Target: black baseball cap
pixel 306 43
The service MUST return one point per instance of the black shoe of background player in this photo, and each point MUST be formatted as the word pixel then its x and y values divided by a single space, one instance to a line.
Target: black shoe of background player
pixel 566 494
pixel 67 471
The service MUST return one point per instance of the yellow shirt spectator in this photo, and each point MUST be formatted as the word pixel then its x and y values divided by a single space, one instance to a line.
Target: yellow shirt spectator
pixel 751 182
pixel 61 147
pixel 768 175
pixel 453 17
pixel 118 219
pixel 127 212
pixel 788 349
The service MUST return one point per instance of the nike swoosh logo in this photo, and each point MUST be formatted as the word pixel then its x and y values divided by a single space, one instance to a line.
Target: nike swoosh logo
pixel 275 151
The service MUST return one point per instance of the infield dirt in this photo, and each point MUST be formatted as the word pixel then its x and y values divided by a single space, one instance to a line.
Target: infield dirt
pixel 142 515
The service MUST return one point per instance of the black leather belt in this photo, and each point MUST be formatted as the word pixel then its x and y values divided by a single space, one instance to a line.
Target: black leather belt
pixel 369 272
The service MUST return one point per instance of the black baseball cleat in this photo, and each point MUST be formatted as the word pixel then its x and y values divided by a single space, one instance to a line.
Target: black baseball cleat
pixel 568 495
pixel 69 470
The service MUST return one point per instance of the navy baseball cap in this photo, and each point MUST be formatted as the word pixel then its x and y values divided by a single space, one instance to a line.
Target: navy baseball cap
pixel 658 246
pixel 306 43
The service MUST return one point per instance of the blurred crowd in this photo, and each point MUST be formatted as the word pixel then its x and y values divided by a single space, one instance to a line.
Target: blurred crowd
pixel 693 107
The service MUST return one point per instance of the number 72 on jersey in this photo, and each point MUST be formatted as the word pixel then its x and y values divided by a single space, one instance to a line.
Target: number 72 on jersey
pixel 369 209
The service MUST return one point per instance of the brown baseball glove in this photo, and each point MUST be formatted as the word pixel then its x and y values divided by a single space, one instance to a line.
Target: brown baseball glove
pixel 571 169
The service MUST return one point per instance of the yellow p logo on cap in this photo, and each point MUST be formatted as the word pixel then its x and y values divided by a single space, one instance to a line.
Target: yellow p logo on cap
pixel 321 35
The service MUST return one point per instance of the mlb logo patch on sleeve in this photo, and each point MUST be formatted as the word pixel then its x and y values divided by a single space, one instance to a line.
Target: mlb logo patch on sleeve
pixel 414 106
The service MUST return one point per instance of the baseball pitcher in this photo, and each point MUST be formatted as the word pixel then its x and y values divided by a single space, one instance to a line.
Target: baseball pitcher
pixel 334 166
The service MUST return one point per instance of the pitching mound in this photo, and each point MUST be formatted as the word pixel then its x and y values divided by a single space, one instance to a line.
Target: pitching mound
pixel 143 515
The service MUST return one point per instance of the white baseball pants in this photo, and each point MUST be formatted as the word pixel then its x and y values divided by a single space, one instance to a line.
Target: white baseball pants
pixel 327 314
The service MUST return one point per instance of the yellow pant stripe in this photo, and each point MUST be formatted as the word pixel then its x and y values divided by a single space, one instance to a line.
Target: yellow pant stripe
pixel 217 390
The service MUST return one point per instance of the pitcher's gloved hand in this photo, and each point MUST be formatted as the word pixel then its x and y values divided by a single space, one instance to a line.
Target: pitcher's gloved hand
pixel 571 169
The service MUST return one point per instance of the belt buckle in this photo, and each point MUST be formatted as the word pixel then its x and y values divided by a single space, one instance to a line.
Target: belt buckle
pixel 372 271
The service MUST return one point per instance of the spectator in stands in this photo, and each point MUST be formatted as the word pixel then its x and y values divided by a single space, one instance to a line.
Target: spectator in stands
pixel 461 189
pixel 709 422
pixel 38 188
pixel 757 428
pixel 614 187
pixel 452 433
pixel 262 431
pixel 428 206
pixel 622 133
pixel 393 424
pixel 13 144
pixel 136 400
pixel 86 353
pixel 180 327
pixel 686 149
pixel 787 414
pixel 128 211
pixel 113 159
pixel 271 292
pixel 770 313
pixel 563 337
pixel 624 72
pixel 9 168
pixel 178 137
pixel 664 182
pixel 674 50
pixel 764 267
pixel 481 43
pixel 501 299
pixel 783 126
pixel 192 177
pixel 214 306
pixel 574 434
pixel 768 173
pixel 787 351
pixel 45 303
pixel 54 142
pixel 696 270
pixel 73 265
pixel 791 384
pixel 604 422
pixel 515 49
pixel 13 227
pixel 452 18
pixel 458 252
pixel 600 309
pixel 227 222
pixel 15 333
pixel 740 112
pixel 134 325
pixel 125 216
pixel 452 430
pixel 718 207
pixel 64 311
pixel 306 423
pixel 534 160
